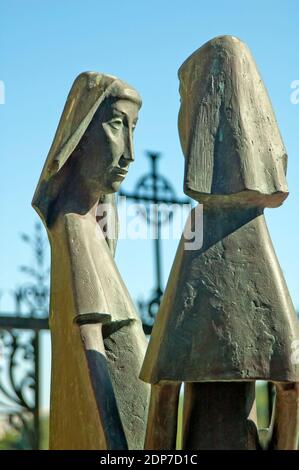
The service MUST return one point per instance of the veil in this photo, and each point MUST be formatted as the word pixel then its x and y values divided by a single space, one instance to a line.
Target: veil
pixel 232 144
pixel 87 93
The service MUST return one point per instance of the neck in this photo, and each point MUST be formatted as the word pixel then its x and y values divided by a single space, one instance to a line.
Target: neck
pixel 78 196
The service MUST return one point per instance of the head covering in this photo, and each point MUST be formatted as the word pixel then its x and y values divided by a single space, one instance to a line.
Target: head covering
pixel 233 148
pixel 88 91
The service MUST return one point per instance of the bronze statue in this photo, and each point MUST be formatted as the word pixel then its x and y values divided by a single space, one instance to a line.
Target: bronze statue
pixel 226 318
pixel 97 399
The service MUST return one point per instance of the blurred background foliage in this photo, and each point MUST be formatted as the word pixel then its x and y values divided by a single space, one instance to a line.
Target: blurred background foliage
pixel 13 440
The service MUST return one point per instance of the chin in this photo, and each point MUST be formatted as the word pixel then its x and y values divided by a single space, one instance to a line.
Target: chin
pixel 115 186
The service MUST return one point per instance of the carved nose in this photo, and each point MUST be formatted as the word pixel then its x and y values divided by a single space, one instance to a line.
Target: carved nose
pixel 129 152
pixel 129 156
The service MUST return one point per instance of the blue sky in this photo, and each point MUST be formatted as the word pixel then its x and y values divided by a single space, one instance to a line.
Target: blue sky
pixel 45 44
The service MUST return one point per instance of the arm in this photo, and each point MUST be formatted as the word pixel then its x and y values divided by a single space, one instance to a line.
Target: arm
pixel 91 335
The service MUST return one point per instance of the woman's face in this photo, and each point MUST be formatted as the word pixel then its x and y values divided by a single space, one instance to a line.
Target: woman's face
pixel 108 144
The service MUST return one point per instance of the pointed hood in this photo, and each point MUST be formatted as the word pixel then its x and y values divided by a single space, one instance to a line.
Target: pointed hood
pixel 232 145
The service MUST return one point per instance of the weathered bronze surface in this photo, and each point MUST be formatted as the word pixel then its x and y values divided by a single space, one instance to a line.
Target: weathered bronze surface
pixel 226 314
pixel 93 321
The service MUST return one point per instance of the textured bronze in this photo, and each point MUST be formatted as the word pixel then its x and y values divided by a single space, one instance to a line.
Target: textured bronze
pixel 226 314
pixel 88 160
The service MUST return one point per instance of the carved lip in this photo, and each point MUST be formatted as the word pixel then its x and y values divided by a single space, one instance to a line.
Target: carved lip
pixel 120 171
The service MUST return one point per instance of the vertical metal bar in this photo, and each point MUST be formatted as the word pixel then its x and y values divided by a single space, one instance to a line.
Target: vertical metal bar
pixel 36 347
pixel 158 254
pixel 270 400
pixel 157 223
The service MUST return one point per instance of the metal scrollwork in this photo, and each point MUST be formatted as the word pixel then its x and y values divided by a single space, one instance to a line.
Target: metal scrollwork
pixel 17 383
pixel 19 353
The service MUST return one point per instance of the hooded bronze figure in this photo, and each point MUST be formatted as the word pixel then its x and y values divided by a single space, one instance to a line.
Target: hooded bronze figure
pixel 226 318
pixel 97 399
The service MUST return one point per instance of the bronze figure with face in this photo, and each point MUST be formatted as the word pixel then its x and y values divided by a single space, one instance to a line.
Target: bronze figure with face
pixel 97 399
pixel 226 318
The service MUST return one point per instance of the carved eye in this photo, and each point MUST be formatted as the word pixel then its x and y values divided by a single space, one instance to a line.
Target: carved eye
pixel 116 124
